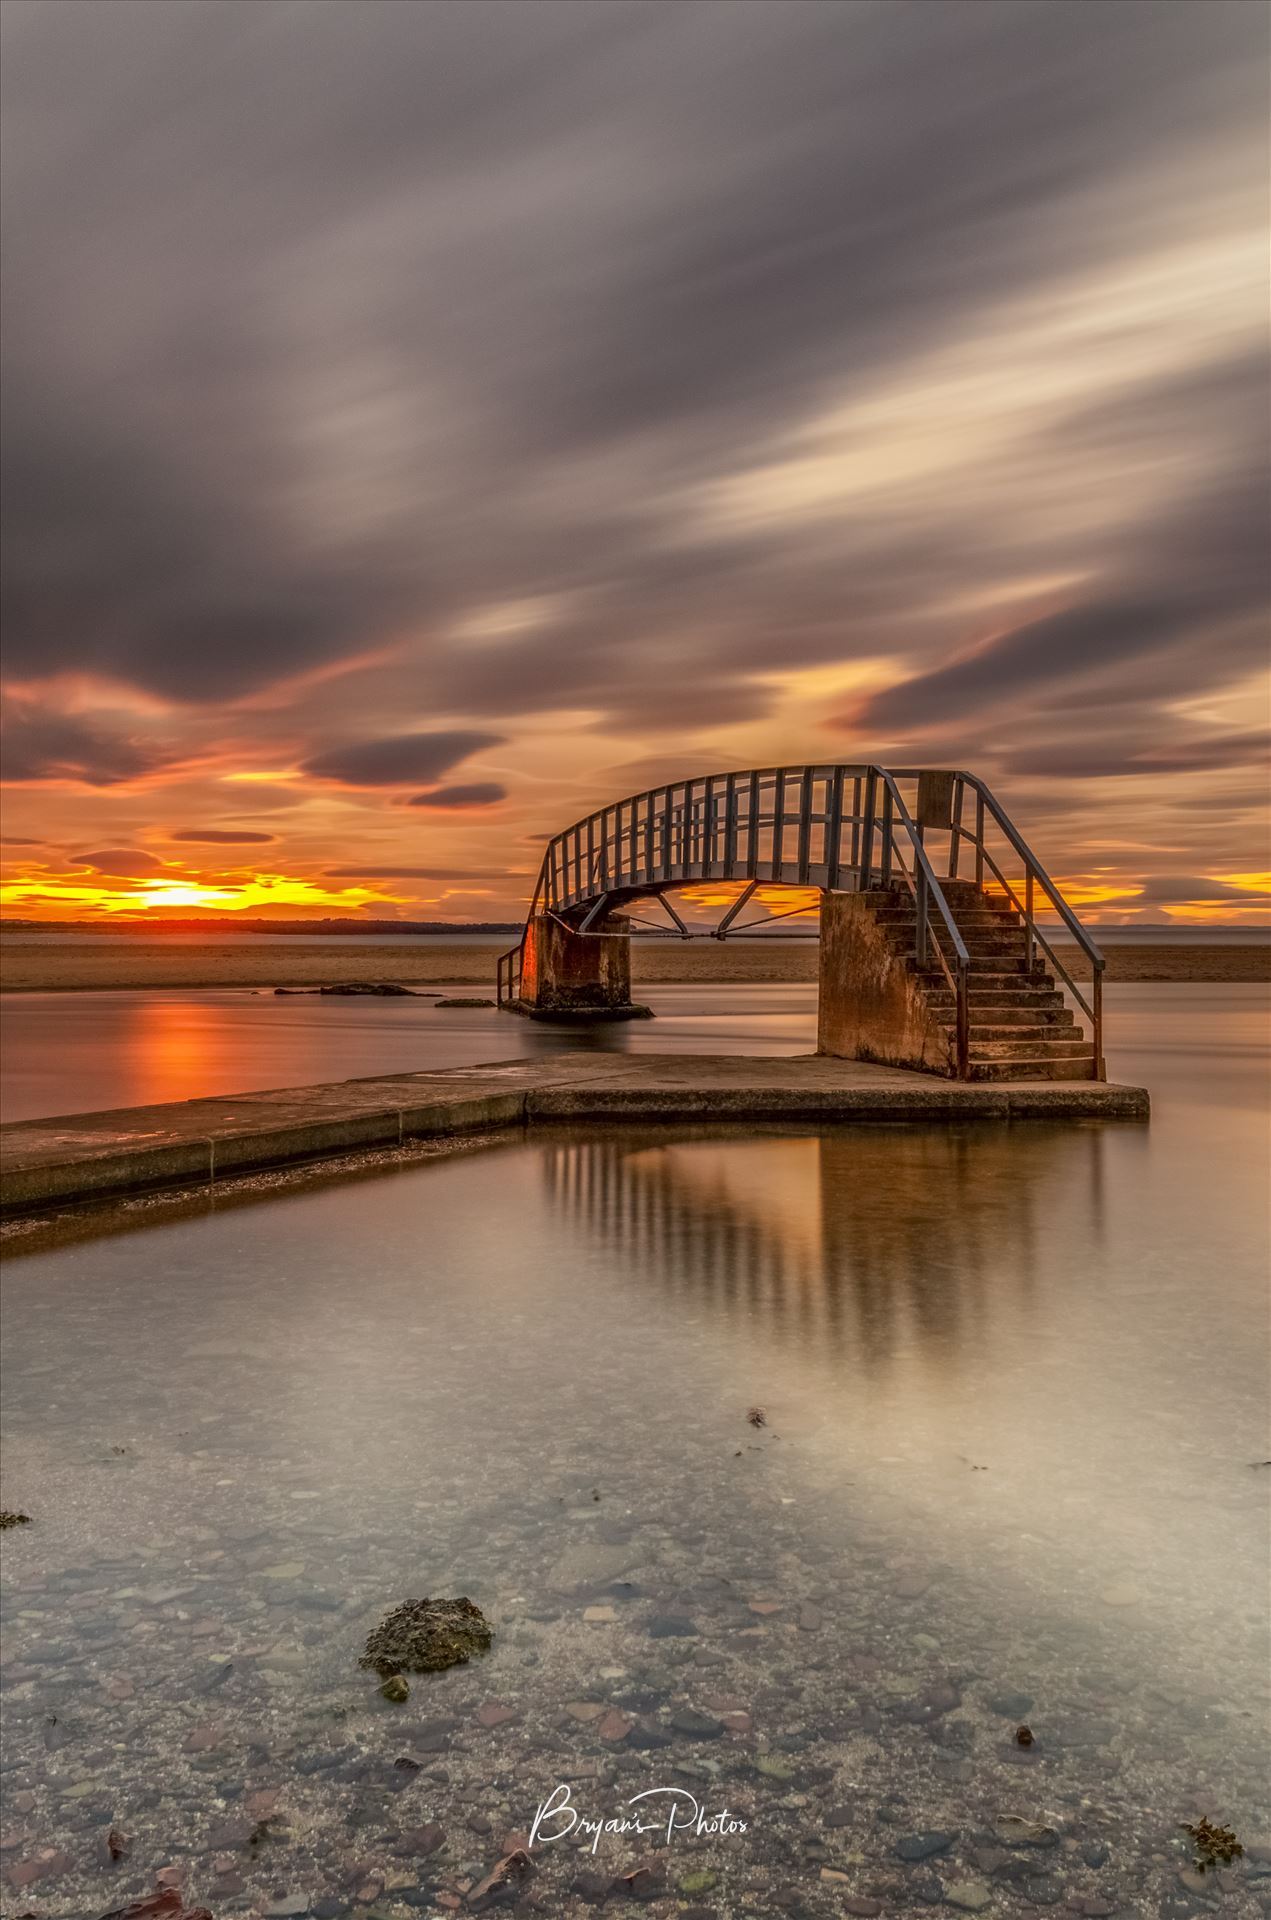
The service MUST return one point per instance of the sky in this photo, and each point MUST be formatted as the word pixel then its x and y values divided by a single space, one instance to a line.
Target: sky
pixel 424 423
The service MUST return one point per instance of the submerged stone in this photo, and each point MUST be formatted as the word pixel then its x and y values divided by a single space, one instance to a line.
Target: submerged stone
pixel 427 1636
pixel 10 1519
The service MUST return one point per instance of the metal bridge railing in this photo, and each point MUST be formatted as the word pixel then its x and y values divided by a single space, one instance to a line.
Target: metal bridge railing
pixel 828 826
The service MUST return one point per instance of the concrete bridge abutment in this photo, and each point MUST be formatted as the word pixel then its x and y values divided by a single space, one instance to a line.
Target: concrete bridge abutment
pixel 870 1003
pixel 565 973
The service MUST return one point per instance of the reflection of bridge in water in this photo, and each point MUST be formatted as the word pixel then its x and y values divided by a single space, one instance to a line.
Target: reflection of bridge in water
pixel 844 1240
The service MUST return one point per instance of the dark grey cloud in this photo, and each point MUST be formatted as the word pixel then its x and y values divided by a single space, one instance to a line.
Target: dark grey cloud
pixel 477 793
pixel 120 862
pixel 18 840
pixel 1084 758
pixel 329 326
pixel 400 759
pixel 38 744
pixel 222 837
pixel 1176 889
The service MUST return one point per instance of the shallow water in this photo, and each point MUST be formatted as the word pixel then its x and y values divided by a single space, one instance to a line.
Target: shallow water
pixel 1014 1383
pixel 84 1052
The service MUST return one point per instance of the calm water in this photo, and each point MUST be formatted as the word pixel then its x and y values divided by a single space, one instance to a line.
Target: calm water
pixel 82 1052
pixel 1015 1387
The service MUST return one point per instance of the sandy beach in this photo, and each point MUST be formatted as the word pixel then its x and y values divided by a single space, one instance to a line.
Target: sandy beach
pixel 31 967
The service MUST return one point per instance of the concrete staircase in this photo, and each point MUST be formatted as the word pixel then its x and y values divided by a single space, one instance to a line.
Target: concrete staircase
pixel 1021 1028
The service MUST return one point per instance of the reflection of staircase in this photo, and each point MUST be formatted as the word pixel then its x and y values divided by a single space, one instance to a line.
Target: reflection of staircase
pixel 1020 1026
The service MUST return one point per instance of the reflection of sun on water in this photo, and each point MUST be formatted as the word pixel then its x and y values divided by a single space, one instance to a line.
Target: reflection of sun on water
pixel 172 1043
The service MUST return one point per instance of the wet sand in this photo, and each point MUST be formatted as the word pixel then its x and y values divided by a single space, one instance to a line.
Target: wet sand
pixel 31 967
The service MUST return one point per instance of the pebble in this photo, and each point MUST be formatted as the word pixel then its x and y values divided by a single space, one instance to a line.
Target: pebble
pixel 696 1726
pixel 671 1626
pixel 1014 1831
pixel 284 1909
pixel 924 1846
pixel 495 1714
pixel 969 1895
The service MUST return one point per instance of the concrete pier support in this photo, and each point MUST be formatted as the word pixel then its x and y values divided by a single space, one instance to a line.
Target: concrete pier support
pixel 870 1006
pixel 565 973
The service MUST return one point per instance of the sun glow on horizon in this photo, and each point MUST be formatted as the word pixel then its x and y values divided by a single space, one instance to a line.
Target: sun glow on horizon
pixel 51 897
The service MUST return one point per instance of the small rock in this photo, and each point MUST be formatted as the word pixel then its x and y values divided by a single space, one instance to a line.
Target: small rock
pixel 495 1714
pixel 600 1616
pixel 647 1736
pixel 396 1687
pixel 421 1841
pixel 671 1626
pixel 696 1726
pixel 613 1727
pixel 427 1636
pixel 924 1846
pixel 1014 1831
pixel 970 1895
pixel 503 1879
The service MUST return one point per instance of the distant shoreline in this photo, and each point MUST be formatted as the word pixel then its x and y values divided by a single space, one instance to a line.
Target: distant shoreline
pixel 137 964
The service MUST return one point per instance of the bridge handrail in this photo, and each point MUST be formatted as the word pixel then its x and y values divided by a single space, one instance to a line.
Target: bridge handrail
pixel 1035 875
pixel 924 887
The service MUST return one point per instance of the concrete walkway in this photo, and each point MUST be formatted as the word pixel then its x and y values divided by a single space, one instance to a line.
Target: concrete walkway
pixel 87 1156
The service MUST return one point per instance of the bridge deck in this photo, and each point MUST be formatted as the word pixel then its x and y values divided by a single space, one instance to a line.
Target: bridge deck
pixel 89 1156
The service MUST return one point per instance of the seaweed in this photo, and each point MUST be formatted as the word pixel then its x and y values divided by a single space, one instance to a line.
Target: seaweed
pixel 1215 1846
pixel 427 1636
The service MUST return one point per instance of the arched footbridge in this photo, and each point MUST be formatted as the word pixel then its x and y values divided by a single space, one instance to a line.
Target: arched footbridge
pixel 945 944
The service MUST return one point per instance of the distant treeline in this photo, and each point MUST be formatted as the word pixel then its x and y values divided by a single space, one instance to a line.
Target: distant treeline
pixel 149 924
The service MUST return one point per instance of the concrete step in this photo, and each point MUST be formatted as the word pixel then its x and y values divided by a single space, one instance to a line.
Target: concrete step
pixel 1077 1067
pixel 1030 1038
pixel 1014 1048
pixel 964 916
pixel 979 946
pixel 1021 990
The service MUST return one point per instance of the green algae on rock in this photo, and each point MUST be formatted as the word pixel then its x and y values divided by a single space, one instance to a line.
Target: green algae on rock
pixel 427 1636
pixel 9 1519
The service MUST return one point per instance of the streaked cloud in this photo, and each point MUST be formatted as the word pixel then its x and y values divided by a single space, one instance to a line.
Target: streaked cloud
pixel 419 419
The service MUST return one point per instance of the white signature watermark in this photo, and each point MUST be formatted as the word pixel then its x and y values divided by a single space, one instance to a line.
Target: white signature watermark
pixel 672 1811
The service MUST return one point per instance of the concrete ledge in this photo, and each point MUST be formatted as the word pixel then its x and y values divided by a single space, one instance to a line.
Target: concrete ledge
pixel 92 1156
